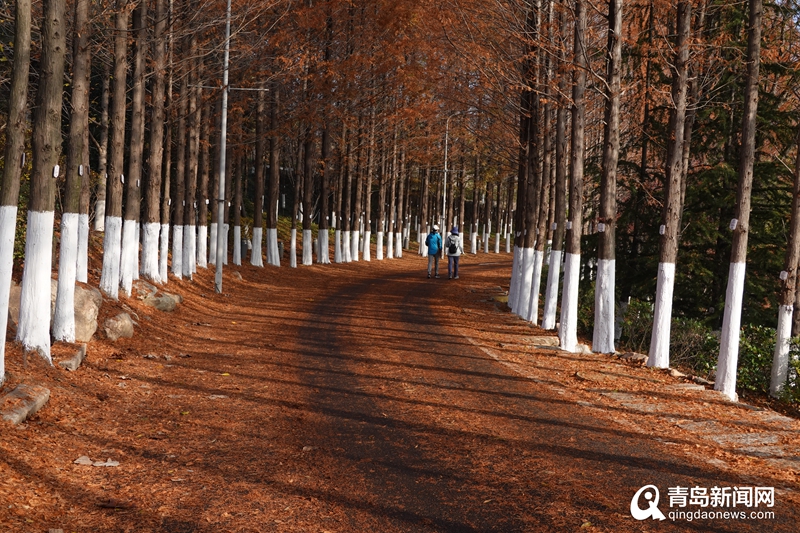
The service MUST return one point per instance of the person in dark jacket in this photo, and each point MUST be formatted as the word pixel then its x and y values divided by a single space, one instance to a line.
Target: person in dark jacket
pixel 454 249
pixel 434 243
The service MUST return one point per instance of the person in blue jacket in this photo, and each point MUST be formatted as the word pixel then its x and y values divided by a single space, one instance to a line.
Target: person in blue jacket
pixel 434 243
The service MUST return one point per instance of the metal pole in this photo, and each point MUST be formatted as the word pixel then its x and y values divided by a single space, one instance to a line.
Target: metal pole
pixel 222 147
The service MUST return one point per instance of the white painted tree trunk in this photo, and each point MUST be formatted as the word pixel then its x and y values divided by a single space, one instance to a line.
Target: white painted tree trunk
pixel 82 271
pixel 389 245
pixel 532 314
pixel 177 251
pixel 212 248
pixel 337 246
pixel 255 253
pixel 308 247
pixel 524 288
pixel 163 254
pixel 367 252
pixel 355 243
pixel 237 245
pixel 515 270
pixel 473 240
pixel 136 251
pixel 662 317
pixel 100 215
pixel 398 245
pixel 346 247
pixel 568 332
pixel 780 359
pixel 273 257
pixel 150 252
pixel 508 242
pixel 729 339
pixel 293 249
pixel 33 330
pixel 189 251
pixel 112 249
pixel 64 316
pixel 8 226
pixel 324 256
pixel 226 232
pixel 497 243
pixel 603 336
pixel 379 247
pixel 202 246
pixel 551 293
pixel 128 261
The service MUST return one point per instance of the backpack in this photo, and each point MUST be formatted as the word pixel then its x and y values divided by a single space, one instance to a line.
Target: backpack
pixel 453 248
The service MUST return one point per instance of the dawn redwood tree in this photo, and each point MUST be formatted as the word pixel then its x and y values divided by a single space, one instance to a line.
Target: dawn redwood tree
pixel 179 185
pixel 166 199
pixel 487 215
pixel 273 258
pixel 102 152
pixel 192 155
pixel 14 154
pixel 130 244
pixel 77 166
pixel 381 223
pixel 324 255
pixel 203 179
pixel 603 337
pixel 112 241
pixel 367 255
pixel 34 308
pixel 392 226
pixel 308 189
pixel 673 205
pixel 152 222
pixel 554 268
pixel 258 204
pixel 347 194
pixel 398 224
pixel 568 333
pixel 729 339
pixel 298 189
pixel 780 361
pixel 238 173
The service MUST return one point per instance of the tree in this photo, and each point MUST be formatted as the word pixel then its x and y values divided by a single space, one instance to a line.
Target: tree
pixel 77 167
pixel 13 161
pixel 34 308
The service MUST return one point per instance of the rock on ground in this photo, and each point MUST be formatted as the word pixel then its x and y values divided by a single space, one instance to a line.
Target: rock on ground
pixel 23 402
pixel 119 326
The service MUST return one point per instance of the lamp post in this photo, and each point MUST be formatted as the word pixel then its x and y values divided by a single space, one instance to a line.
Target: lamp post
pixel 222 147
pixel 444 185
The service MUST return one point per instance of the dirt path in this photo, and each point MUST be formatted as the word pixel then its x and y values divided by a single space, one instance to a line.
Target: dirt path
pixel 345 398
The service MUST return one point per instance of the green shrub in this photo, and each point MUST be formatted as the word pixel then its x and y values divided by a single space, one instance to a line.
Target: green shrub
pixel 637 326
pixel 693 345
pixel 756 347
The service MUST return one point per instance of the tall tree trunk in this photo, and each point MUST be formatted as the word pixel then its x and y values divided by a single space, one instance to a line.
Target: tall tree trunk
pixel 729 340
pixel 357 205
pixel 192 164
pixel 166 198
pixel 130 244
pixel 239 174
pixel 367 255
pixel 298 189
pixel 326 163
pixel 179 185
pixel 604 293
pixel 671 213
pixel 14 154
pixel 381 225
pixel 308 190
pixel 786 300
pixel 34 308
pixel 533 175
pixel 568 334
pixel 398 224
pixel 77 166
pixel 203 178
pixel 347 194
pixel 392 226
pixel 258 203
pixel 152 222
pixel 273 257
pixel 102 152
pixel 112 241
pixel 554 270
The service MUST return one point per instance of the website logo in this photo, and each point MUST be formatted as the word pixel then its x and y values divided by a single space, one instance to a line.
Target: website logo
pixel 652 496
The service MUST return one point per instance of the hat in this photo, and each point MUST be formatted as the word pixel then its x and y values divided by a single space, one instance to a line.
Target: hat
pixel 435 227
pixel 454 231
